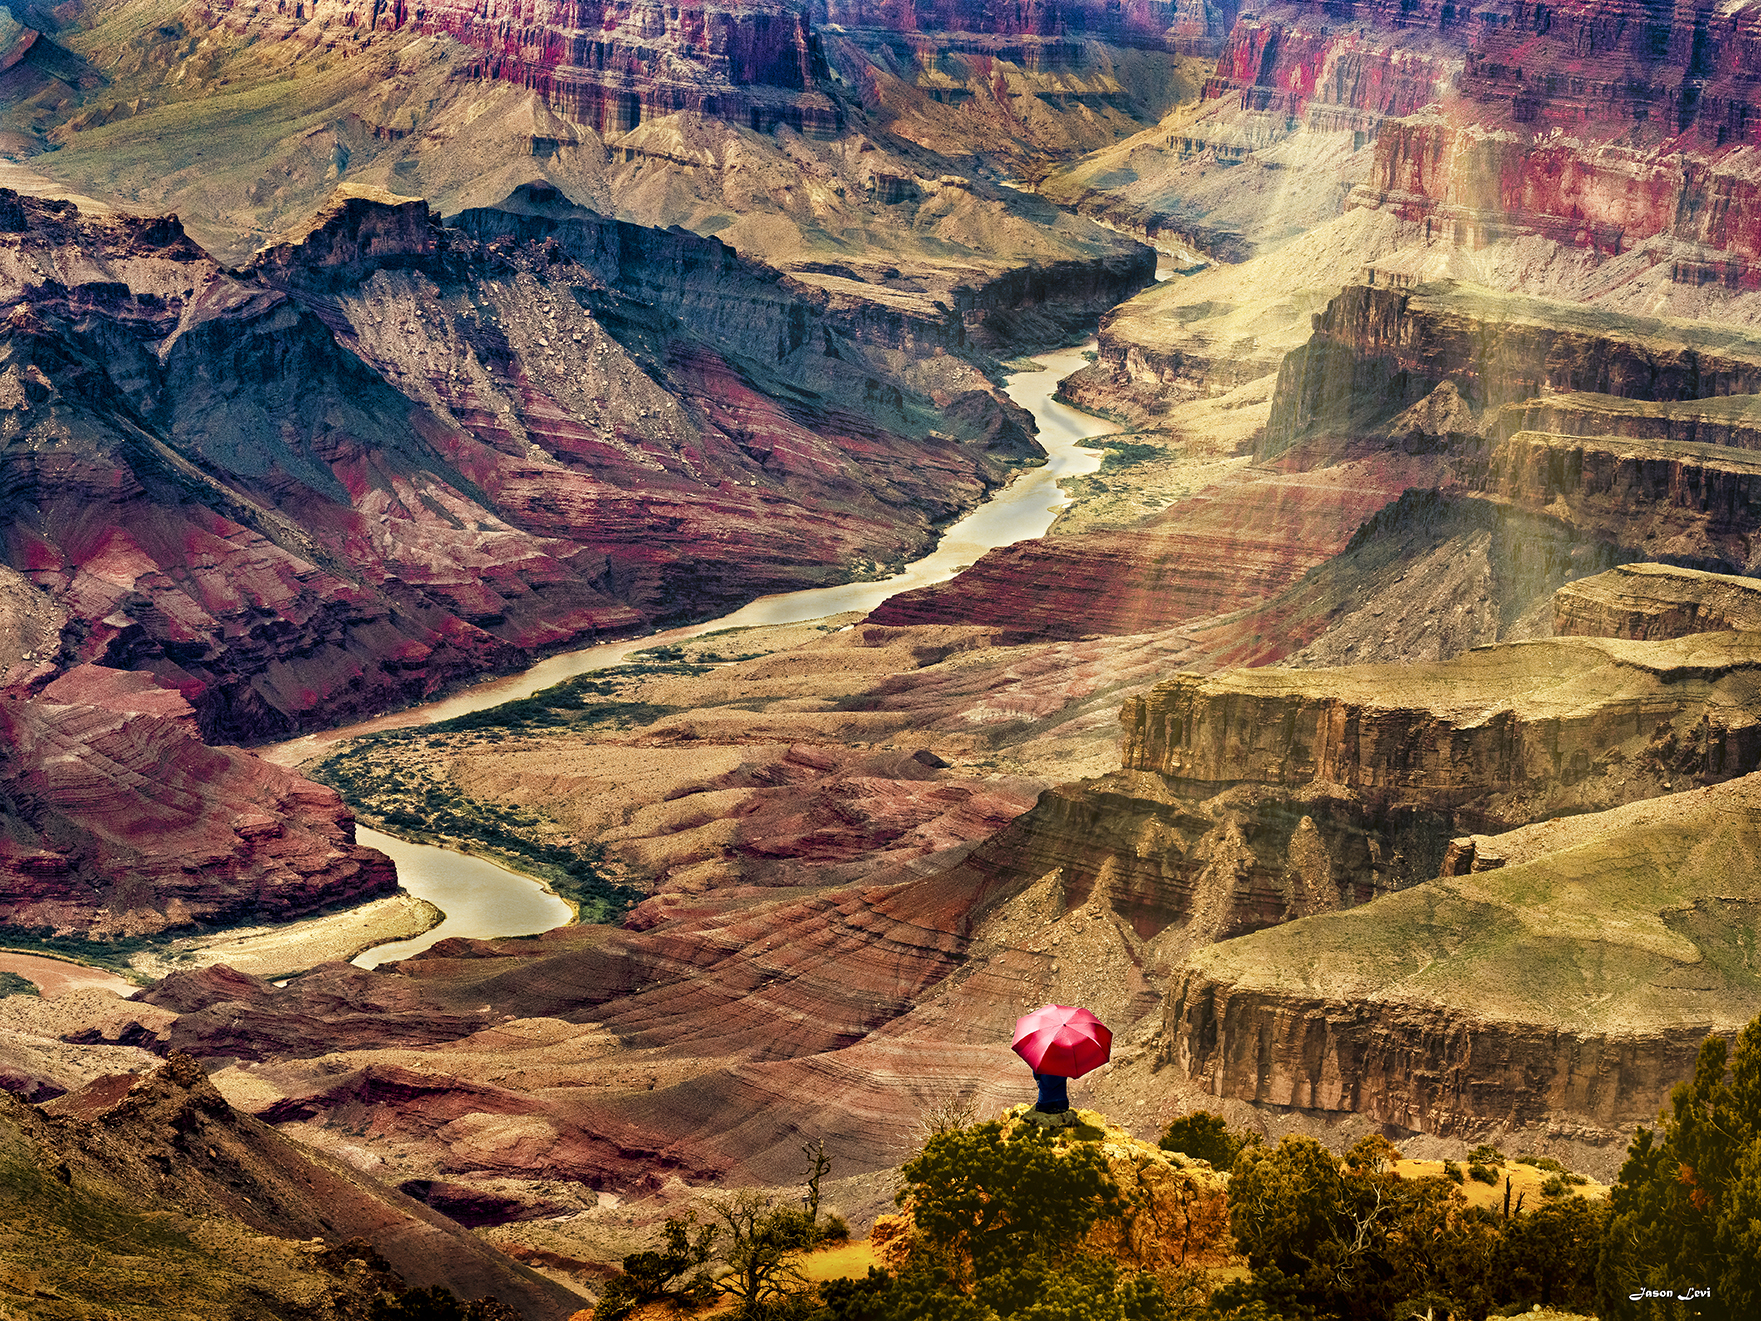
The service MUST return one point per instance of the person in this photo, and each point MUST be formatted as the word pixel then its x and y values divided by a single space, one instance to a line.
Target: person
pixel 1054 1093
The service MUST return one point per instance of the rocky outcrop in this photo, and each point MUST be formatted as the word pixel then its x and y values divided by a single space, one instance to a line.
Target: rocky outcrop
pixel 738 303
pixel 1497 730
pixel 119 820
pixel 168 1142
pixel 1565 990
pixel 1696 505
pixel 1656 601
pixel 1733 420
pixel 1381 347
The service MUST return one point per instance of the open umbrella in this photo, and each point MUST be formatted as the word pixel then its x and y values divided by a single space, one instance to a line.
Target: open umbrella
pixel 1062 1040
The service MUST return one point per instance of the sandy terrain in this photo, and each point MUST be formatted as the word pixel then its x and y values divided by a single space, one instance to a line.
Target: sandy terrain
pixel 56 977
pixel 278 951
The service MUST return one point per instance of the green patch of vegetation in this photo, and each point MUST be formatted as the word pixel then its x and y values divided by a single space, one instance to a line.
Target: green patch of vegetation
pixel 12 984
pixel 1486 1154
pixel 1205 1136
pixel 111 953
pixel 1482 1173
pixel 410 797
pixel 1121 454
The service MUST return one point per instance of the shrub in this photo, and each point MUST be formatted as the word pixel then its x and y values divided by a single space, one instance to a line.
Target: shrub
pixel 1453 1171
pixel 1482 1173
pixel 1207 1137
pixel 1485 1154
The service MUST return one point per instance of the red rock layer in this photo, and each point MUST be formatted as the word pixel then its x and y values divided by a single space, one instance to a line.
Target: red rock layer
pixel 1233 546
pixel 1600 125
pixel 1337 66
pixel 120 820
pixel 757 63
pixel 432 475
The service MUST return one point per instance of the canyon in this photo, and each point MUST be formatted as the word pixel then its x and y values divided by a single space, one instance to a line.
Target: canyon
pixel 1370 739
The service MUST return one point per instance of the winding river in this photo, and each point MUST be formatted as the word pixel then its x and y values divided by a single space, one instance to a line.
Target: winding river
pixel 481 900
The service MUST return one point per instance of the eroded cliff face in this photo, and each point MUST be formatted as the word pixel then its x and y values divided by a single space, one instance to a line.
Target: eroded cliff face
pixel 1559 988
pixel 120 821
pixel 1656 601
pixel 454 455
pixel 606 65
pixel 1602 127
pixel 1383 345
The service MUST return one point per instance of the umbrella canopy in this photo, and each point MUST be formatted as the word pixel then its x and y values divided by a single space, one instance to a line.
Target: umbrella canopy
pixel 1062 1040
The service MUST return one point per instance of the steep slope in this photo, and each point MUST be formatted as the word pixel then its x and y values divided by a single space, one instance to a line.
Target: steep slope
pixel 448 461
pixel 118 820
pixel 143 1196
pixel 1568 988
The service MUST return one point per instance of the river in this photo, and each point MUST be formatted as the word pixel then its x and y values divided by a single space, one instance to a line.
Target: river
pixel 481 900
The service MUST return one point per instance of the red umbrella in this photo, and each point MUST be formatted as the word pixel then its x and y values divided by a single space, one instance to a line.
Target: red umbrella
pixel 1062 1040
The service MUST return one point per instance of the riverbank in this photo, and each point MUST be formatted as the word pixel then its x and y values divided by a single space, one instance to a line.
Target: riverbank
pixel 273 952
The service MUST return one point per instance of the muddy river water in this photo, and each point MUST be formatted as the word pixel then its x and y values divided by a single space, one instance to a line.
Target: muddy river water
pixel 482 900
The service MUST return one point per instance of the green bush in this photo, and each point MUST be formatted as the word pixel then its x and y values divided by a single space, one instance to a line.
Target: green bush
pixel 12 984
pixel 1453 1171
pixel 1485 1154
pixel 1482 1174
pixel 1207 1137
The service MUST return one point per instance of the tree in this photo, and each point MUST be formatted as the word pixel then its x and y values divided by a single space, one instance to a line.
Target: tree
pixel 980 1198
pixel 675 1272
pixel 1686 1210
pixel 1206 1136
pixel 761 1241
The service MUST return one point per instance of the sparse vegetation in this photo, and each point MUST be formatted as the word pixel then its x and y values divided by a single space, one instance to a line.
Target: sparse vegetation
pixel 12 984
pixel 392 779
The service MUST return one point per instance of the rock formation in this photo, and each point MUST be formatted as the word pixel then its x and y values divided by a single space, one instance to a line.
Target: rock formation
pixel 145 1157
pixel 1564 984
pixel 1383 346
pixel 417 489
pixel 120 821
pixel 1651 602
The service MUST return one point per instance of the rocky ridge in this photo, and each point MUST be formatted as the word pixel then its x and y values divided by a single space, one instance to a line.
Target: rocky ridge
pixel 119 820
pixel 145 1173
pixel 1472 1003
pixel 418 487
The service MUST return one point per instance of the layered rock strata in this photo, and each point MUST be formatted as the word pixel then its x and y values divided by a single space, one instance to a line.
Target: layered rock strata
pixel 1567 988
pixel 1651 602
pixel 1696 505
pixel 1230 546
pixel 1501 729
pixel 1381 347
pixel 120 821
pixel 448 463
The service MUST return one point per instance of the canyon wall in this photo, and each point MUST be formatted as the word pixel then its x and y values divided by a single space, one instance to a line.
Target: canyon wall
pixel 1561 988
pixel 1656 601
pixel 449 460
pixel 756 63
pixel 119 820
pixel 1380 347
